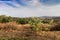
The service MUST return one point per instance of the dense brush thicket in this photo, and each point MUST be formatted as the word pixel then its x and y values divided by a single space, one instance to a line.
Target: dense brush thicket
pixel 4 19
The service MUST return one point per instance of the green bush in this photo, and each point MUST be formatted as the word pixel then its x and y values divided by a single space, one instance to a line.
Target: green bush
pixel 22 21
pixel 34 23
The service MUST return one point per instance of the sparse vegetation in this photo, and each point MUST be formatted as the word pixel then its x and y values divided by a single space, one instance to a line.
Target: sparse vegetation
pixel 27 27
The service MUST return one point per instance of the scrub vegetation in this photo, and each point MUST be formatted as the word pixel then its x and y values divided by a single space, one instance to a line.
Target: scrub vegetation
pixel 29 28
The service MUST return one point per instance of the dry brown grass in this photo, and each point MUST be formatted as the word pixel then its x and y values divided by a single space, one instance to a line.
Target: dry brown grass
pixel 12 29
pixel 11 26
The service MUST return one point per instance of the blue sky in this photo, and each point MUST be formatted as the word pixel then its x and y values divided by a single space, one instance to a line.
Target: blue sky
pixel 27 8
pixel 50 2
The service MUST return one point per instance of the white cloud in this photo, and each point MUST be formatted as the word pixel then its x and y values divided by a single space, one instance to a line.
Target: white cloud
pixel 39 10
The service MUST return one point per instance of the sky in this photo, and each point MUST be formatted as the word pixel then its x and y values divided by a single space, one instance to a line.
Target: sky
pixel 29 8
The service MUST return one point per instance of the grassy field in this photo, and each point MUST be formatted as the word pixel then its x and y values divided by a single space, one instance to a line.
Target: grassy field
pixel 32 28
pixel 13 31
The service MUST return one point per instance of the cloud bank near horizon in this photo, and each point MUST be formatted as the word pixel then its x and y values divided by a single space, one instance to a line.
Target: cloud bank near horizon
pixel 27 8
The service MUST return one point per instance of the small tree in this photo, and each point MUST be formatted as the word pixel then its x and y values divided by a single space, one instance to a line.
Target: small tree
pixel 35 22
